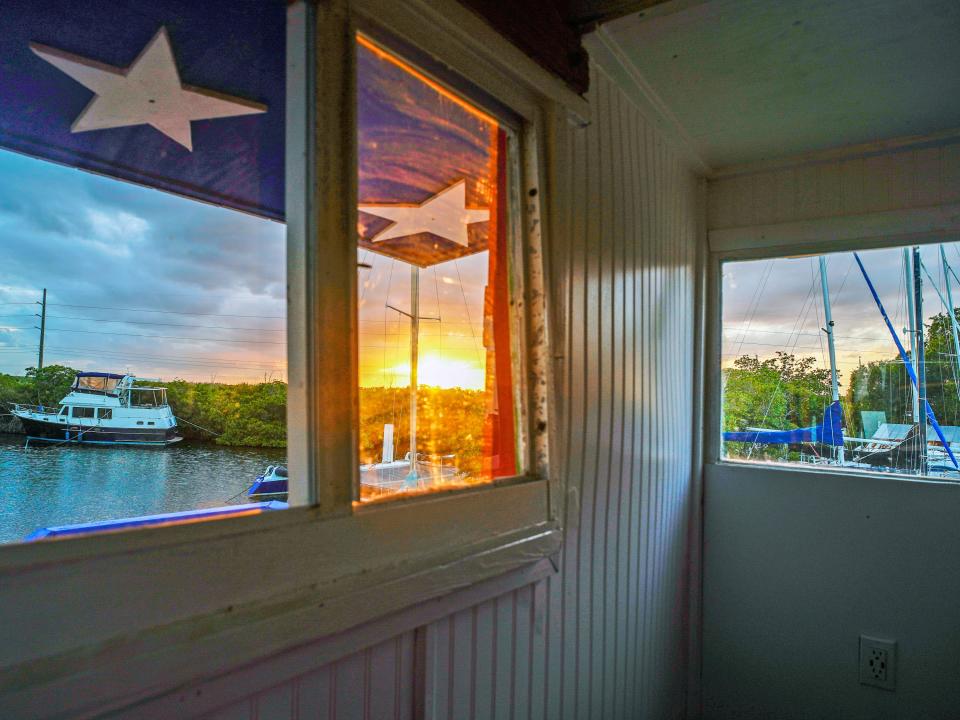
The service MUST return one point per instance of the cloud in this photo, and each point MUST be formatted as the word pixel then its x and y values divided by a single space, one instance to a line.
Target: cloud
pixel 771 305
pixel 97 243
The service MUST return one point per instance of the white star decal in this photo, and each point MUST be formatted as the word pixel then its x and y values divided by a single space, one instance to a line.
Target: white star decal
pixel 149 92
pixel 445 214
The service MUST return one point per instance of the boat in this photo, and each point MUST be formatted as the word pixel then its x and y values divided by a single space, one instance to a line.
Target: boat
pixel 103 409
pixel 393 475
pixel 921 447
pixel 273 481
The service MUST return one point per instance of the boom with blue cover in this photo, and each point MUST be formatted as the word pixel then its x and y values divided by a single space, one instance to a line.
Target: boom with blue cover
pixel 906 361
pixel 828 432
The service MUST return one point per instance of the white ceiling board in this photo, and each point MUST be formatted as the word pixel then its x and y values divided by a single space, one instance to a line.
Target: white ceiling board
pixel 752 80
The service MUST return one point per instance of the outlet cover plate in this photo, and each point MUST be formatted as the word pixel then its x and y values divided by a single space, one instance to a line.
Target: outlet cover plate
pixel 878 662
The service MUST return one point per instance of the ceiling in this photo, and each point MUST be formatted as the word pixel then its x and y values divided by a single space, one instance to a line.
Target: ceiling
pixel 752 80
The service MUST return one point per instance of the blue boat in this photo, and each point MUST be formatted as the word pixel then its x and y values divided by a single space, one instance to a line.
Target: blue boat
pixel 273 481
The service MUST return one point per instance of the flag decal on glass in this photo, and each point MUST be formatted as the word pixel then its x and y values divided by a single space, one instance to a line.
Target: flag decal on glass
pixel 148 92
pixel 427 164
pixel 183 97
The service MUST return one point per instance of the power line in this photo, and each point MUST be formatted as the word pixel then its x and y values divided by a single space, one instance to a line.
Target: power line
pixel 146 322
pixel 167 337
pixel 167 312
pixel 148 356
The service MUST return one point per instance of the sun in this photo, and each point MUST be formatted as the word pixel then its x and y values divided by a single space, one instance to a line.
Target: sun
pixel 433 370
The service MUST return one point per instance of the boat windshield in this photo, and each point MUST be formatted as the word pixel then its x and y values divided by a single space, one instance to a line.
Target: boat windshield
pixel 97 384
pixel 148 397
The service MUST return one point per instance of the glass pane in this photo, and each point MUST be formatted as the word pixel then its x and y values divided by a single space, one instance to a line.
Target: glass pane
pixel 141 226
pixel 436 392
pixel 849 361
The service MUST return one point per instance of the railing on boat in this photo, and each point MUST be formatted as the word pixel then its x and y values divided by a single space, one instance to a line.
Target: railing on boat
pixel 21 407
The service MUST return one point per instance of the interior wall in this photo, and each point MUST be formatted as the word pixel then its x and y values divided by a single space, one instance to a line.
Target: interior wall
pixel 873 181
pixel 606 635
pixel 798 564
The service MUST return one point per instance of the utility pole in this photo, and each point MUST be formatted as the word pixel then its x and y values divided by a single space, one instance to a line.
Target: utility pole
pixel 921 370
pixel 43 329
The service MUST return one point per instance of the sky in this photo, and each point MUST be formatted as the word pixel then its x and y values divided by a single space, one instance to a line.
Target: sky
pixel 142 281
pixel 771 305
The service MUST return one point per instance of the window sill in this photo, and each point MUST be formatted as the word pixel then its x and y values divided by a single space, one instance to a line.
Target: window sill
pixel 723 468
pixel 155 609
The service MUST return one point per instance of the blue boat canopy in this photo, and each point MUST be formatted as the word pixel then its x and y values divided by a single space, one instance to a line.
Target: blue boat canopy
pixel 828 432
pixel 112 376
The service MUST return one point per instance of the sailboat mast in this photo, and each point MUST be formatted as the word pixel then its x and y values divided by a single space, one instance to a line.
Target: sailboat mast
pixel 828 317
pixel 950 310
pixel 921 369
pixel 414 362
pixel 908 281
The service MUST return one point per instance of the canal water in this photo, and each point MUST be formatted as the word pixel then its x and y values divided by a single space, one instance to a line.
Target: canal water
pixel 42 486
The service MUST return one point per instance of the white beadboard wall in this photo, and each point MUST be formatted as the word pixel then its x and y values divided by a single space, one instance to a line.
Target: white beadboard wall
pixel 605 637
pixel 874 182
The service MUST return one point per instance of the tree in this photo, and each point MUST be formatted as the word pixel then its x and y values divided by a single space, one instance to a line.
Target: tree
pixel 51 383
pixel 782 392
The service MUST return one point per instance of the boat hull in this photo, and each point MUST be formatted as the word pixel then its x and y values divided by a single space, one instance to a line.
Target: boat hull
pixel 97 435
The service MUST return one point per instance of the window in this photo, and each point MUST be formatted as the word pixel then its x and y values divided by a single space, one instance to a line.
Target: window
pixel 361 560
pixel 438 405
pixel 845 361
pixel 158 272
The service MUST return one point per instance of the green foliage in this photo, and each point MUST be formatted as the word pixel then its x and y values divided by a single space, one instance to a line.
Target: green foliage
pixel 885 385
pixel 50 384
pixel 450 421
pixel 783 392
pixel 245 414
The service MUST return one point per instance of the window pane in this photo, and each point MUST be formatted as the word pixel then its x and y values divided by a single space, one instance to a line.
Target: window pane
pixel 141 226
pixel 436 392
pixel 847 360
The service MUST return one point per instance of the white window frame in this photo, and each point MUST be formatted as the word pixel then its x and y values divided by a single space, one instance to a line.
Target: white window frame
pixel 790 240
pixel 99 622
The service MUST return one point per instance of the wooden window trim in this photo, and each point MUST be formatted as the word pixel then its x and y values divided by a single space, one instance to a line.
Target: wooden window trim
pixel 108 620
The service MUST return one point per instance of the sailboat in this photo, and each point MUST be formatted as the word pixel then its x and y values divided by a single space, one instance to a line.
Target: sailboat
pixel 913 453
pixel 829 432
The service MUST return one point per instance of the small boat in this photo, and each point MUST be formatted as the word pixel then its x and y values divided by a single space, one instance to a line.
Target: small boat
pixel 103 409
pixel 273 481
pixel 392 476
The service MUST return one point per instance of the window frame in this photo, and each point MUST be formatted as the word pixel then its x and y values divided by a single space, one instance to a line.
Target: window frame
pixel 737 246
pixel 206 607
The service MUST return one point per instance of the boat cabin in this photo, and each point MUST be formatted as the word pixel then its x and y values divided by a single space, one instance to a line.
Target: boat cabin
pixel 600 183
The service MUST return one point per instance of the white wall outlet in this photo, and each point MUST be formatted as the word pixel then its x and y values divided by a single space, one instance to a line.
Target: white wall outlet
pixel 878 662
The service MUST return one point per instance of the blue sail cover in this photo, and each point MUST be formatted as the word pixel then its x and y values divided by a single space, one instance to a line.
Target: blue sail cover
pixel 828 432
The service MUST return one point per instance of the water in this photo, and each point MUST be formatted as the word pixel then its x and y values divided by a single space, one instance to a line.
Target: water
pixel 41 486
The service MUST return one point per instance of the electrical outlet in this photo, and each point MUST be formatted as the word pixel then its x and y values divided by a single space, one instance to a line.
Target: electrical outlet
pixel 878 662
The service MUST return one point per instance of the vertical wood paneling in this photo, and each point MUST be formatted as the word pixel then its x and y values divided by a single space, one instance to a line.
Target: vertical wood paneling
pixel 604 638
pixel 896 180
